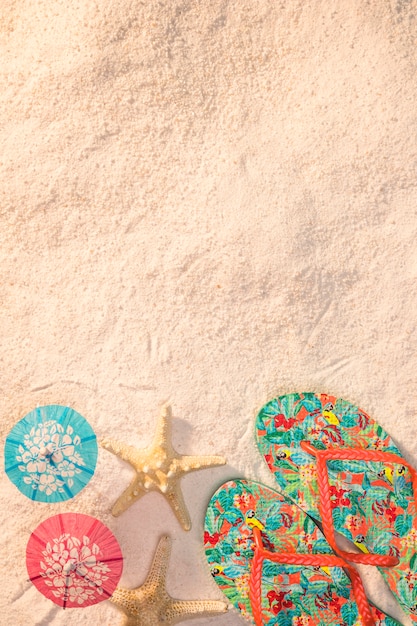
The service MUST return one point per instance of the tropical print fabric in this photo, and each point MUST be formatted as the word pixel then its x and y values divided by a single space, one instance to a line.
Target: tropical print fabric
pixel 372 502
pixel 292 595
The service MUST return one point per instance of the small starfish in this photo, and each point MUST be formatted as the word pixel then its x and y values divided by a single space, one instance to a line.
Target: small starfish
pixel 150 604
pixel 159 468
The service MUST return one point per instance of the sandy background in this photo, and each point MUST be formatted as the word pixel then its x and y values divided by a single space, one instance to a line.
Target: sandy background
pixel 207 204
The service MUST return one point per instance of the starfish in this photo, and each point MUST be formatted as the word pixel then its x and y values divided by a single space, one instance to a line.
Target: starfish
pixel 158 468
pixel 151 605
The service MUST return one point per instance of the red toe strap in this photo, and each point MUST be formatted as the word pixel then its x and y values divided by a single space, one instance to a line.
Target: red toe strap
pixel 320 560
pixel 325 506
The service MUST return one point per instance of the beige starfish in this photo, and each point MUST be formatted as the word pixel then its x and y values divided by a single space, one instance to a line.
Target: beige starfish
pixel 150 604
pixel 159 468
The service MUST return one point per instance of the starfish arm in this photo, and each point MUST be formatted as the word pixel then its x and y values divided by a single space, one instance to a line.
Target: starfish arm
pixel 162 437
pixel 179 610
pixel 124 600
pixel 158 572
pixel 127 498
pixel 194 463
pixel 177 503
pixel 122 450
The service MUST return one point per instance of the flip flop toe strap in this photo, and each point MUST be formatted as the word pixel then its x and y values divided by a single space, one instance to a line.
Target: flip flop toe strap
pixel 316 560
pixel 325 505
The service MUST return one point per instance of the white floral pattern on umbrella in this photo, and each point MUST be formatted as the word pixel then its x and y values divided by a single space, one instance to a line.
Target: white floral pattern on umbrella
pixel 75 568
pixel 51 454
pixel 71 568
pixel 50 439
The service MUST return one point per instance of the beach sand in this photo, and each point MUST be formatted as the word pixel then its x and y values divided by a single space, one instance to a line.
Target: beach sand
pixel 206 204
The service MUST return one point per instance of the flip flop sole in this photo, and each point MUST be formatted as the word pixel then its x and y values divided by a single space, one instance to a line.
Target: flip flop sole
pixel 372 502
pixel 291 595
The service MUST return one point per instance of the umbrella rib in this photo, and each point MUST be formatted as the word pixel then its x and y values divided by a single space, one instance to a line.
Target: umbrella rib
pixel 32 578
pixel 112 560
pixel 63 416
pixel 38 539
pixel 84 469
pixel 87 439
pixel 15 441
pixel 34 494
pixel 39 414
pixel 67 489
pixel 93 525
pixel 64 602
pixel 12 468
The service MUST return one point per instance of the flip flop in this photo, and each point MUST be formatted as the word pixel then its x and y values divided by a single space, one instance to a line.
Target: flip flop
pixel 345 471
pixel 274 564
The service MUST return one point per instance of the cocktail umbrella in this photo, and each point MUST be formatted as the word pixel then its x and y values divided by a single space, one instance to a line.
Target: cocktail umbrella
pixel 51 454
pixel 74 560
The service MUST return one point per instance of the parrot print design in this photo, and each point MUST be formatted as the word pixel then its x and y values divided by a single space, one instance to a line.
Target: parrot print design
pixel 373 504
pixel 292 595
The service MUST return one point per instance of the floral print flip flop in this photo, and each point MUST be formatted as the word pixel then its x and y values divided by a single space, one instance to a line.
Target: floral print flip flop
pixel 274 564
pixel 345 471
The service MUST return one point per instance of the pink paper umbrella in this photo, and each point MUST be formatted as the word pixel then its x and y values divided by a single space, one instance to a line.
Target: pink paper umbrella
pixel 74 560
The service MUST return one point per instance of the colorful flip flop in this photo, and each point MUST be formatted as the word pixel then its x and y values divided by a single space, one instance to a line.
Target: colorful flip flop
pixel 345 471
pixel 274 564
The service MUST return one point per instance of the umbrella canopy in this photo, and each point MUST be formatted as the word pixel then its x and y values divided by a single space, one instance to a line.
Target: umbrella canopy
pixel 51 454
pixel 74 560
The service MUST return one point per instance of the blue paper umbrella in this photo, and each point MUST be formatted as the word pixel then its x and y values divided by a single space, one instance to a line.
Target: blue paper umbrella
pixel 51 454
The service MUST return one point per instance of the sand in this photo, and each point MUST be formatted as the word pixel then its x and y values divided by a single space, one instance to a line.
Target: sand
pixel 207 204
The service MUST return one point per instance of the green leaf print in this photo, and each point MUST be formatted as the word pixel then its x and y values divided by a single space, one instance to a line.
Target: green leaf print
pixel 390 621
pixel 289 404
pixel 403 525
pixel 275 517
pixel 403 491
pixel 298 434
pixel 282 438
pixel 213 555
pixel 285 465
pixel 233 595
pixel 270 570
pixel 283 619
pixel 320 546
pixel 379 541
pixel 281 479
pixel 347 419
pixel 344 591
pixel 212 521
pixel 300 458
pixel 232 515
pixel 309 525
pixel 349 614
pixel 338 518
pixel 310 402
pixel 343 408
pixel 227 549
pixel 406 594
pixel 225 500
pixel 349 467
pixel 319 445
